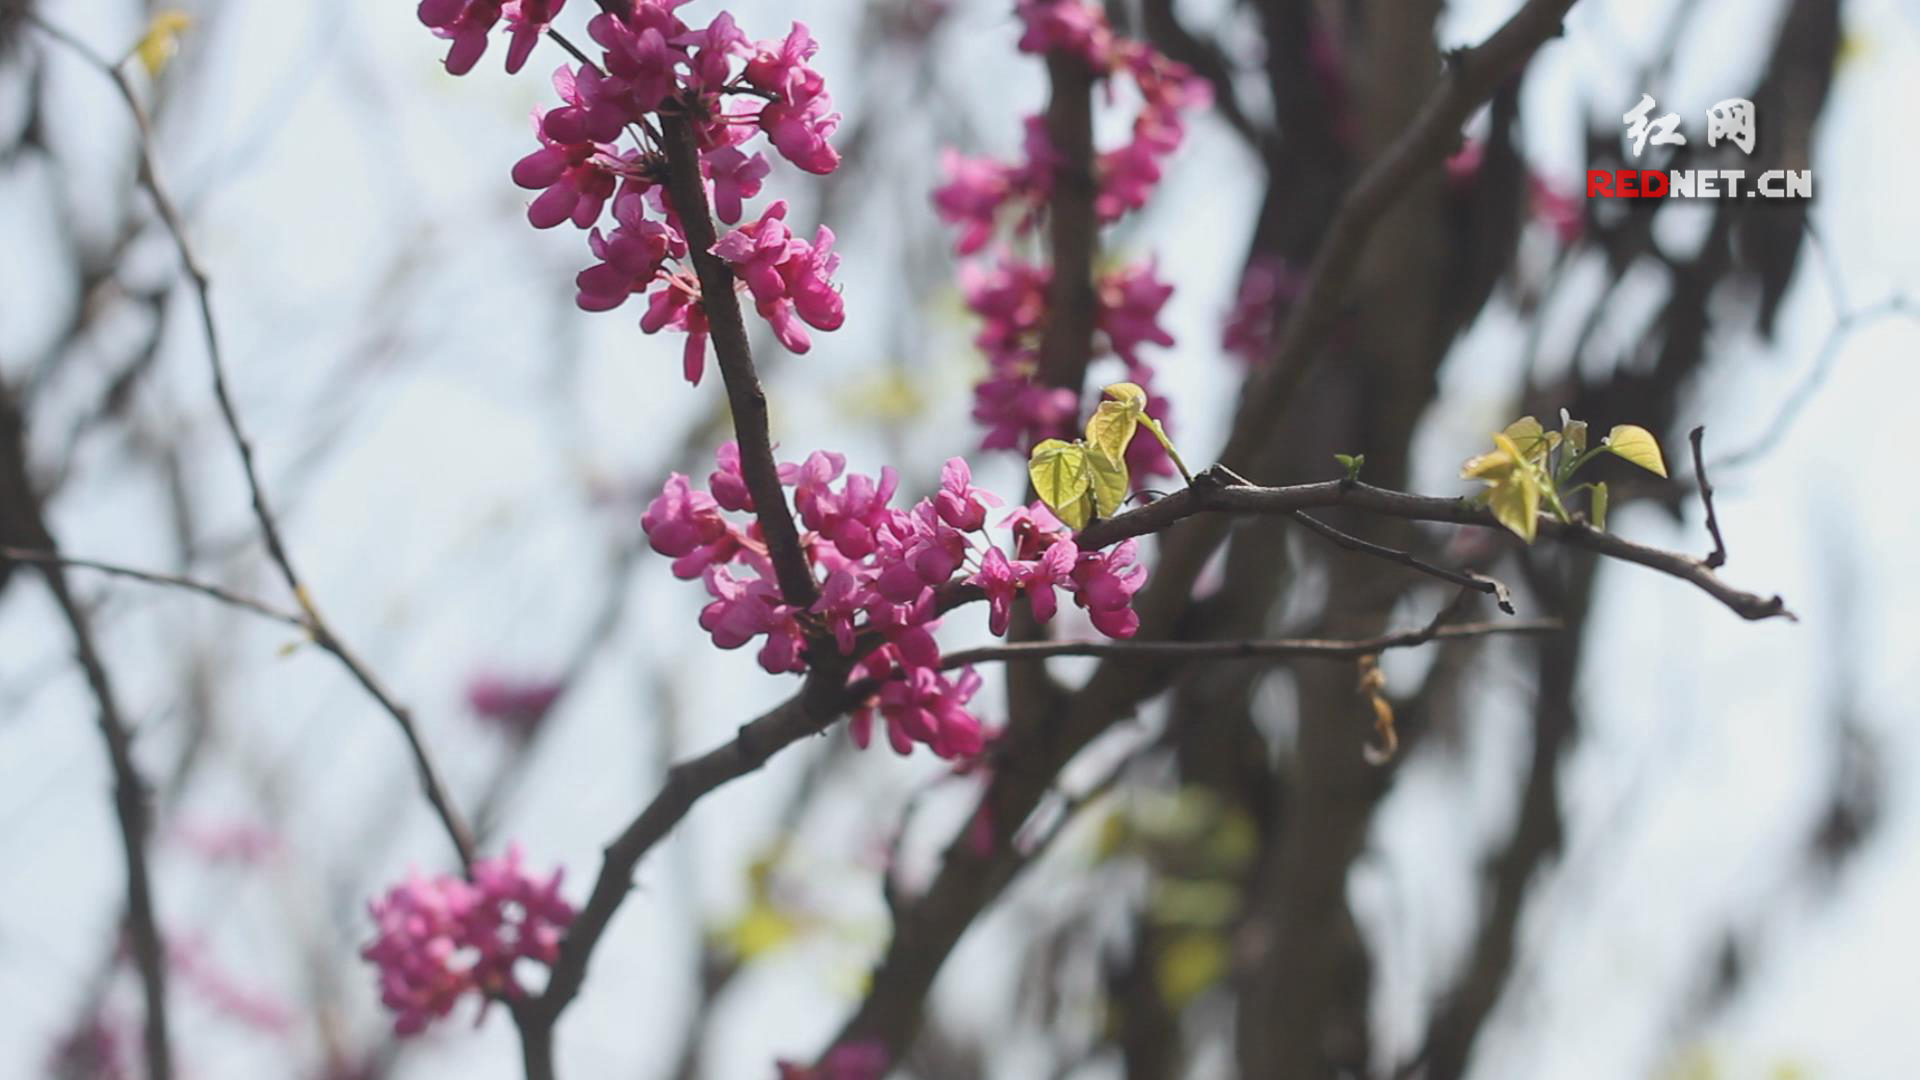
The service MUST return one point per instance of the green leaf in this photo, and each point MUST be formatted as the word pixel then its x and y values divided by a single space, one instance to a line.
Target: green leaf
pixel 1112 428
pixel 1353 463
pixel 1637 445
pixel 1063 480
pixel 1597 506
pixel 1110 483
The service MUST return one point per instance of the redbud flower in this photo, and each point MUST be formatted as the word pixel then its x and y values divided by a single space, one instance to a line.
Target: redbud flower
pixel 465 23
pixel 1130 303
pixel 863 1060
pixel 441 938
pixel 780 67
pixel 791 280
pixel 1105 583
pixel 800 132
pixel 517 704
pixel 676 303
pixel 959 503
pixel 631 256
pixel 727 482
pixel 736 176
pixel 1073 26
pixel 526 21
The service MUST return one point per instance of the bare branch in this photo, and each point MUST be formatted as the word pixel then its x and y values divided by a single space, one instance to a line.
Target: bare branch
pixel 818 704
pixel 1276 648
pixel 323 634
pixel 1213 494
pixel 1473 74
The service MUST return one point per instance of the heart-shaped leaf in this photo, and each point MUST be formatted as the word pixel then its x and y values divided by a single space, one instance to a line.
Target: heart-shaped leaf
pixel 1063 479
pixel 1637 445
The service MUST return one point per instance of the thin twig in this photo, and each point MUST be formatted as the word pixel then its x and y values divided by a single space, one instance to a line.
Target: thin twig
pixel 1718 556
pixel 323 634
pixel 1276 648
pixel 216 592
pixel 1465 579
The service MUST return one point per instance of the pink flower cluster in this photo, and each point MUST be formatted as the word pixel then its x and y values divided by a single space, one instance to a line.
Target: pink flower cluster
pixel 1010 296
pixel 881 572
pixel 441 937
pixel 466 23
pixel 1268 288
pixel 727 88
pixel 518 705
pixel 864 1060
pixel 978 189
pixel 96 1050
pixel 1017 410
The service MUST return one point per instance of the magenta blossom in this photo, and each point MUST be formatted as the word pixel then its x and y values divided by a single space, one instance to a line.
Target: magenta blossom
pixel 1072 26
pixel 527 20
pixel 1105 583
pixel 791 280
pixel 713 79
pixel 444 937
pixel 517 704
pixel 882 574
pixel 466 24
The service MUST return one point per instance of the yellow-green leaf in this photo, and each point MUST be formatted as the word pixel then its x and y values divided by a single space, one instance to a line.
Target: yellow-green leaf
pixel 1515 502
pixel 1574 431
pixel 1637 445
pixel 1188 965
pixel 1490 464
pixel 1063 480
pixel 161 40
pixel 761 930
pixel 1532 440
pixel 1111 429
pixel 1128 394
pixel 1597 506
pixel 1109 476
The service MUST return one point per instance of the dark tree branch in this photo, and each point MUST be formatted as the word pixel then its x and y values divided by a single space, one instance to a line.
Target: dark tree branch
pixel 744 394
pixel 1211 494
pixel 1718 556
pixel 821 701
pixel 1473 75
pixel 1073 229
pixel 1277 648
pixel 22 516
